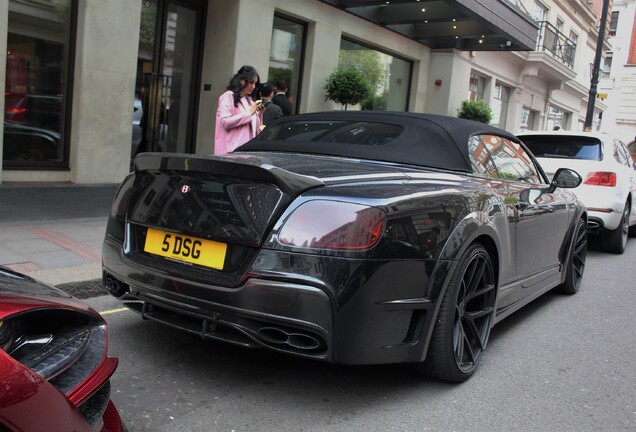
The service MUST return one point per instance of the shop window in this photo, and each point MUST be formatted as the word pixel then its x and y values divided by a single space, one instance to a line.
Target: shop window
pixel 500 105
pixel 556 118
pixel 570 48
pixel 390 76
pixel 37 84
pixel 476 87
pixel 528 119
pixel 286 55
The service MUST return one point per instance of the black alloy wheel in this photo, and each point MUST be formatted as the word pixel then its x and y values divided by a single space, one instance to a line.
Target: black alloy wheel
pixel 464 320
pixel 576 263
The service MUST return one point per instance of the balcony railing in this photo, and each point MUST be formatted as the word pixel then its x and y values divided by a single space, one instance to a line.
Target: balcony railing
pixel 551 40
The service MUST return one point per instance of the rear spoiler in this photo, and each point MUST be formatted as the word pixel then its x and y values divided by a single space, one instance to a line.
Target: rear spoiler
pixel 241 166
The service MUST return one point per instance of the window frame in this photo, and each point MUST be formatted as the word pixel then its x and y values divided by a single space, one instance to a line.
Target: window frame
pixel 514 151
pixel 613 23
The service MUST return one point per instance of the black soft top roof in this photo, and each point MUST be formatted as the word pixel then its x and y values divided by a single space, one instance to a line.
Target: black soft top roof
pixel 411 138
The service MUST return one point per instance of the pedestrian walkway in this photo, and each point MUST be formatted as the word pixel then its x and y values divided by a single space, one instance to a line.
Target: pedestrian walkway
pixel 54 233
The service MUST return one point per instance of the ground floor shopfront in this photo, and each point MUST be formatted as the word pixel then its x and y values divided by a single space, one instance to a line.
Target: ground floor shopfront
pixel 90 83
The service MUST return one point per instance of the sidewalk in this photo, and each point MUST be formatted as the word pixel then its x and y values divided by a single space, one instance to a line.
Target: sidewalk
pixel 54 233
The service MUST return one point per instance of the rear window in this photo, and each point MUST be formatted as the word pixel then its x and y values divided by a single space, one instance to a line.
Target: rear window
pixel 342 132
pixel 566 147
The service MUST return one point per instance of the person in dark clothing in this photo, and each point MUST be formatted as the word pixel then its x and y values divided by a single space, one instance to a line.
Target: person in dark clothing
pixel 272 111
pixel 281 99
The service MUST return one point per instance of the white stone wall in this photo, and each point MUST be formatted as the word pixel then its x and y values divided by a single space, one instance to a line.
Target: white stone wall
pixel 239 32
pixel 533 85
pixel 620 117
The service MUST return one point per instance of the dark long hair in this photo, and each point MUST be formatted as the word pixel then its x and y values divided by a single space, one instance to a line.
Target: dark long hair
pixel 245 73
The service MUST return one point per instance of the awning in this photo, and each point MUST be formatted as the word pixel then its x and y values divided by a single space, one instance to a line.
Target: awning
pixel 469 25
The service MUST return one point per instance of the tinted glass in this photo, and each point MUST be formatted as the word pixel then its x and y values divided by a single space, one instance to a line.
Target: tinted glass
pixel 567 147
pixel 343 132
pixel 510 159
pixel 36 83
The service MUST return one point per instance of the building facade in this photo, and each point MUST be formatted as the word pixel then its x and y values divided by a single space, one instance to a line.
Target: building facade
pixel 618 81
pixel 90 83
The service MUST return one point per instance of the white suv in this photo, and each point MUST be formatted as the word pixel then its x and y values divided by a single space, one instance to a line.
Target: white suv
pixel 609 179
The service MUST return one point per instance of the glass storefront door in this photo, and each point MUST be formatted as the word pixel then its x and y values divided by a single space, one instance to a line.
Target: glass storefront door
pixel 167 68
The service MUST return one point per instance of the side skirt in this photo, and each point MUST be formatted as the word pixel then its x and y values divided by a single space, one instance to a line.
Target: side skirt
pixel 549 284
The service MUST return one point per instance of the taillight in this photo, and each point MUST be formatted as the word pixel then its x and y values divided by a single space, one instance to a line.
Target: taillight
pixel 601 178
pixel 322 224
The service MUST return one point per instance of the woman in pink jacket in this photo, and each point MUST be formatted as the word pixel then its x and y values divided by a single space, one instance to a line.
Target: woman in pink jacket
pixel 238 117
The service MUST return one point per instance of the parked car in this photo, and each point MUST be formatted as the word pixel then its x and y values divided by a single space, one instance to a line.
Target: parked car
pixel 348 237
pixel 54 366
pixel 609 186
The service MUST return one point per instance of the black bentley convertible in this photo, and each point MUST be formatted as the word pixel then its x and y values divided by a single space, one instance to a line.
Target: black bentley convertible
pixel 348 237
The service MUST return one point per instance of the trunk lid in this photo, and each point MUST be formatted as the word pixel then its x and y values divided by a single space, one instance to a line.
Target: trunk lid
pixel 225 199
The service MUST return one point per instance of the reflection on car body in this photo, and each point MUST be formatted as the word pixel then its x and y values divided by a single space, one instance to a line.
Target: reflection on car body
pixel 348 237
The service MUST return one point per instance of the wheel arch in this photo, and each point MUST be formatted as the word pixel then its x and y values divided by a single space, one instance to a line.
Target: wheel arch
pixel 485 235
pixel 434 348
pixel 463 237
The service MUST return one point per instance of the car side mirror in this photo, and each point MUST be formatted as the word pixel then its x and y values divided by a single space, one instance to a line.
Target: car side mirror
pixel 565 178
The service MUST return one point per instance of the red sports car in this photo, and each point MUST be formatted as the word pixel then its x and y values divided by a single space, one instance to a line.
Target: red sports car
pixel 54 367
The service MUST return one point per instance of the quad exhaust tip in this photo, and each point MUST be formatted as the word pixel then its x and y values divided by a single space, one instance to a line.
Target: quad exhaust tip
pixel 279 336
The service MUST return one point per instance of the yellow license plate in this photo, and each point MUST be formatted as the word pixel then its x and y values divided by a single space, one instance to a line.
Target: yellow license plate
pixel 194 250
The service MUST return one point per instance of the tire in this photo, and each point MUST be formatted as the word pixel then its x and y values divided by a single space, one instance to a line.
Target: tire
pixel 464 320
pixel 614 241
pixel 576 260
